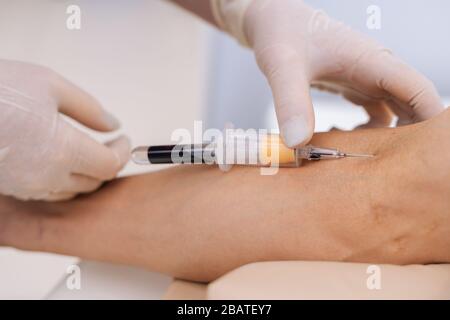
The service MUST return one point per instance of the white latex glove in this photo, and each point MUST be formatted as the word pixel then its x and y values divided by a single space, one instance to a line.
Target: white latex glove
pixel 42 156
pixel 298 47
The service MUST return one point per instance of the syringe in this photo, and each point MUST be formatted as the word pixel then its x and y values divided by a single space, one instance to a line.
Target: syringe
pixel 265 151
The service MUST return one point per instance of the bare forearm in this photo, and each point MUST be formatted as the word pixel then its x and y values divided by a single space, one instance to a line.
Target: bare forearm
pixel 198 223
pixel 201 8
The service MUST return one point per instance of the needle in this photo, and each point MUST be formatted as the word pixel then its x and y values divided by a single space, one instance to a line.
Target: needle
pixel 355 155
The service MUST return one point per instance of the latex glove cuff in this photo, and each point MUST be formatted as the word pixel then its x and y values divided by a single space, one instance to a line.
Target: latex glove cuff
pixel 229 16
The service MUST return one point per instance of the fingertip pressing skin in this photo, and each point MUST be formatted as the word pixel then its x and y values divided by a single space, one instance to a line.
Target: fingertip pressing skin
pixel 296 131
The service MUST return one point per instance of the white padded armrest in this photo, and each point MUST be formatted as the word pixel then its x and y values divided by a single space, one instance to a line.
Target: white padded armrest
pixel 329 280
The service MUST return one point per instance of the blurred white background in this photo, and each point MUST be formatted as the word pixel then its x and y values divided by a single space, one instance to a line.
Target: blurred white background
pixel 158 69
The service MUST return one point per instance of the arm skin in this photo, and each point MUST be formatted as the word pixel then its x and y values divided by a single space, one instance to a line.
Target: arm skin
pixel 201 8
pixel 197 223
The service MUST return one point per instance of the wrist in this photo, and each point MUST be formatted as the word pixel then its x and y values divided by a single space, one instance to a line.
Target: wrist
pixel 230 17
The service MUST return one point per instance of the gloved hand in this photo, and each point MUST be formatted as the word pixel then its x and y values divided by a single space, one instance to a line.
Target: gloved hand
pixel 42 156
pixel 298 47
